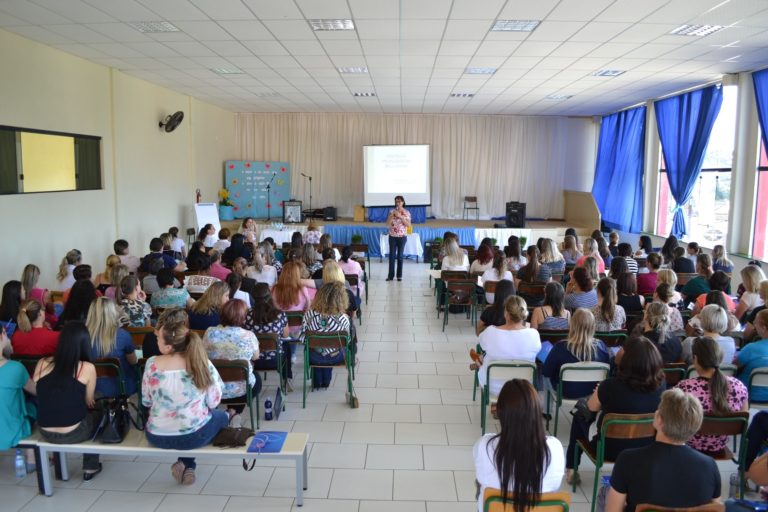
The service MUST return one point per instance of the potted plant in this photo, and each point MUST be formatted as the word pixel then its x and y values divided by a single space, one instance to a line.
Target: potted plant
pixel 493 242
pixel 226 208
pixel 523 241
pixel 357 238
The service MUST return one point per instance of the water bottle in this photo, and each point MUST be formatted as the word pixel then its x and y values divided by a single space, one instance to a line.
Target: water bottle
pixel 20 465
pixel 733 488
pixel 268 410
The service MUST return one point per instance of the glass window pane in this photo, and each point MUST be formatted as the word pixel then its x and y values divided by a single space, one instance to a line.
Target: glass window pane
pixel 760 245
pixel 719 153
pixel 48 162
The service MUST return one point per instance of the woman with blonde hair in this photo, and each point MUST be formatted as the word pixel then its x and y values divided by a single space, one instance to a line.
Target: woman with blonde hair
pixel 327 314
pixel 72 259
pixel 551 257
pixel 455 258
pixel 513 340
pixel 581 346
pixel 270 258
pixel 571 252
pixel 205 312
pixel 656 327
pixel 109 340
pixel 751 277
pixel 103 279
pixel 29 278
pixel 720 260
pixel 591 250
pixel 182 389
pixel 609 316
pixel 289 293
pixel 116 276
pixel 260 271
pixel 669 277
pixel 32 338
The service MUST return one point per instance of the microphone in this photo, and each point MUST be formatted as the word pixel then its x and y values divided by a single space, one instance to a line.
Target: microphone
pixel 305 175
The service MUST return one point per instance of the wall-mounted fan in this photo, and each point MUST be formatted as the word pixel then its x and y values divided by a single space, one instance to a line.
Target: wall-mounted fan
pixel 171 122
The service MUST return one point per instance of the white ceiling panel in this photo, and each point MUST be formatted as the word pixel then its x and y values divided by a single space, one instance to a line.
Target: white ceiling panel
pixel 39 34
pixel 578 10
pixel 124 10
pixel 381 9
pixel 467 30
pixel 643 32
pixel 537 10
pixel 224 9
pixel 251 30
pixel 422 29
pixel 228 48
pixel 419 47
pixel 458 47
pixel 204 30
pixel 679 11
pixel 555 30
pixel 179 10
pixel 497 48
pixel 378 29
pixel 290 29
pixel 631 11
pixel 75 9
pixel 600 31
pixel 476 9
pixel 191 49
pixel 535 49
pixel 265 47
pixel 343 48
pixel 272 10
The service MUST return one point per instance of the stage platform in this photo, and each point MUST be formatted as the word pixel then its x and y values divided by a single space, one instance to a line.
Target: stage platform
pixel 470 232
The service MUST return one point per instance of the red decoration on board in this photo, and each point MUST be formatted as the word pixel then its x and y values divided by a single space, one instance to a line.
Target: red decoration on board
pixel 267 166
pixel 231 166
pixel 248 164
pixel 269 205
pixel 282 169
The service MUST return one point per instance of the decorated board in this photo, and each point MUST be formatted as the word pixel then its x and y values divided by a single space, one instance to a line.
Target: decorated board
pixel 247 182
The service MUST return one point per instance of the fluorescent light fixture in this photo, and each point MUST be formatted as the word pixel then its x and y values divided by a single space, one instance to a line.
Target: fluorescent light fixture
pixel 559 97
pixel 154 27
pixel 608 72
pixel 462 95
pixel 329 24
pixel 228 71
pixel 696 30
pixel 364 94
pixel 515 25
pixel 353 69
pixel 480 71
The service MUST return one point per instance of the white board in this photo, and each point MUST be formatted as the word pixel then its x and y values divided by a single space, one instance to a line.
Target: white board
pixel 207 213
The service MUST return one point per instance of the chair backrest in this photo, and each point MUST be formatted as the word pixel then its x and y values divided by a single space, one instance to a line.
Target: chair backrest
pixel 447 275
pixel 29 362
pixel 759 378
pixel 326 339
pixel 359 248
pixel 352 279
pixel 683 278
pixel 57 296
pixel 731 424
pixel 470 199
pixel 612 338
pixel 674 373
pixel 707 507
pixel 511 369
pixel 295 318
pixel 531 289
pixel 557 277
pixel 234 370
pixel 267 341
pixel 199 332
pixel 138 333
pixel 548 502
pixel 627 426
pixel 460 291
pixel 729 370
pixel 490 286
pixel 586 371
pixel 108 367
pixel 553 335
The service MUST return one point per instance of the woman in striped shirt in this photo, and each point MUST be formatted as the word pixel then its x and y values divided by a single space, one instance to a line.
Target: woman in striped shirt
pixel 327 314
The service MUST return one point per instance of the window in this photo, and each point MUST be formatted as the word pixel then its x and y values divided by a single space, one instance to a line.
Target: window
pixel 38 161
pixel 706 213
pixel 760 243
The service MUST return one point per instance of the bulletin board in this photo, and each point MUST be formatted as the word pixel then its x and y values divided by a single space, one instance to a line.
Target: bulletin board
pixel 247 182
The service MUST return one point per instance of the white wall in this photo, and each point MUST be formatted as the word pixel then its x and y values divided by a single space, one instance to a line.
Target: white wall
pixel 148 177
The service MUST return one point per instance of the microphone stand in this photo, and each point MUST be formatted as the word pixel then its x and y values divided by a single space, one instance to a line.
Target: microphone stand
pixel 310 192
pixel 269 197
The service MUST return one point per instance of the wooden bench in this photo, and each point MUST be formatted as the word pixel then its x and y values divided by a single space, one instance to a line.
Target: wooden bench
pixel 136 444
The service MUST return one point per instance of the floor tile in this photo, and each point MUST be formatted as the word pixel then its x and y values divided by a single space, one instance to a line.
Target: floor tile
pixel 444 414
pixel 425 485
pixel 63 500
pixel 398 381
pixel 251 504
pixel 389 506
pixel 416 368
pixel 187 503
pixel 397 413
pixel 121 476
pixel 116 501
pixel 419 396
pixel 439 382
pixel 315 505
pixel 376 433
pixel 319 431
pixel 449 458
pixel 462 434
pixel 343 412
pixel 418 433
pixel 356 484
pixel 394 457
pixel 232 480
pixel 14 497
pixel 283 483
pixel 345 455
pixel 162 481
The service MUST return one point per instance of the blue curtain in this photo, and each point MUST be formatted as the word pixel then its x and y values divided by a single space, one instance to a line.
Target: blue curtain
pixel 760 79
pixel 685 123
pixel 618 187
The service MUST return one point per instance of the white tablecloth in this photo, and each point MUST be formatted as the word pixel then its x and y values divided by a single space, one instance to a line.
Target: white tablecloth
pixel 280 237
pixel 501 235
pixel 413 246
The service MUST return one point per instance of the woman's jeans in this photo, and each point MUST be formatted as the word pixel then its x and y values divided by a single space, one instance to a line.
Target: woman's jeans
pixel 83 432
pixel 201 437
pixel 322 376
pixel 396 247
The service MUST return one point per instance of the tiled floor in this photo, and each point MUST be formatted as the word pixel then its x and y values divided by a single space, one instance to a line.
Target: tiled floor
pixel 407 448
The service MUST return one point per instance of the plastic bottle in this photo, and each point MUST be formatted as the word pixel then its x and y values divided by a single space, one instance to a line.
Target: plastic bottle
pixel 19 464
pixel 733 487
pixel 268 410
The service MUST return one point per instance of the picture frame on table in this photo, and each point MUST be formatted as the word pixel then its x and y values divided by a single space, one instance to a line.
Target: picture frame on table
pixel 292 212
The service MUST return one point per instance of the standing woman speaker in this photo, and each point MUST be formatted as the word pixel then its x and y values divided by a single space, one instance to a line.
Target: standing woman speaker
pixel 398 220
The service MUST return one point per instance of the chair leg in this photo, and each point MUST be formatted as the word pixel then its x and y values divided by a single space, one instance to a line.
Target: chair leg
pixel 482 409
pixel 549 396
pixel 595 486
pixel 558 404
pixel 258 412
pixel 576 457
pixel 474 387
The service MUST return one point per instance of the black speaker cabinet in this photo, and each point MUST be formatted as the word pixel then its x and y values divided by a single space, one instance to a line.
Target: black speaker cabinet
pixel 515 217
pixel 329 213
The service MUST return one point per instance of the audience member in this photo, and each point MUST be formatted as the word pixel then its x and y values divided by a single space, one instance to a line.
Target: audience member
pixel 102 280
pixel 656 327
pixel 156 252
pixel 664 295
pixel 248 230
pixel 551 315
pixel 483 260
pixel 129 260
pixel 591 250
pixel 237 249
pixel 205 312
pixel 515 259
pixel 626 290
pixel 260 271
pixel 289 293
pixel 197 256
pixel 720 260
pixel 109 340
pixel 81 295
pixel 201 281
pixel 328 314
pixel 234 281
pixel 668 277
pixel 149 283
pixel 646 282
pixel 32 337
pixel 133 301
pixel 609 316
pixel 713 321
pixel 168 296
pixel 681 263
pixel 700 283
pixel 754 356
pixel 582 294
pixel 534 271
pixel 751 277
pixel 18 411
pixel 667 250
pixel 217 270
pixel 571 252
pixel 313 234
pixel 223 242
pixel 65 278
pixel 177 244
pixel 240 267
pixel 496 273
pixel 618 267
pixel 625 251
pixel 10 301
pixel 207 236
pixel 265 318
pixel 551 257
pixel 494 314
pixel 645 248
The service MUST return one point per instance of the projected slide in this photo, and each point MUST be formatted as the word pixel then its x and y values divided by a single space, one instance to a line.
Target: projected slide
pixel 396 170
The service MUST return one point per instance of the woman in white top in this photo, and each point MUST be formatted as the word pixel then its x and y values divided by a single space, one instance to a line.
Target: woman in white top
pixel 455 258
pixel 713 320
pixel 521 460
pixel 483 260
pixel 513 340
pixel 497 272
pixel 751 277
pixel 260 271
pixel 72 259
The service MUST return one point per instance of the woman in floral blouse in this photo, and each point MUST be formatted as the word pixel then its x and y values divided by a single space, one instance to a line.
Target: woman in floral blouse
pixel 181 388
pixel 231 342
pixel 717 393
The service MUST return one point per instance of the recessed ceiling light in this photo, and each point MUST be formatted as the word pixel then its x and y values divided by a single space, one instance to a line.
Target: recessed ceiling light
pixel 696 30
pixel 462 95
pixel 559 97
pixel 327 24
pixel 364 94
pixel 154 27
pixel 515 25
pixel 353 69
pixel 608 72
pixel 228 71
pixel 480 71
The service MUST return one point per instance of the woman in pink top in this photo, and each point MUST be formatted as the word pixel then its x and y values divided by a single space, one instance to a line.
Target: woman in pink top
pixel 350 266
pixel 288 293
pixel 218 270
pixel 590 249
pixel 29 279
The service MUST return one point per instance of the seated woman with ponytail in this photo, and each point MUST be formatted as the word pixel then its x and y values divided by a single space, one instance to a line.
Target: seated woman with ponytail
pixel 182 389
pixel 65 277
pixel 29 278
pixel 32 337
pixel 521 460
pixel 717 393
